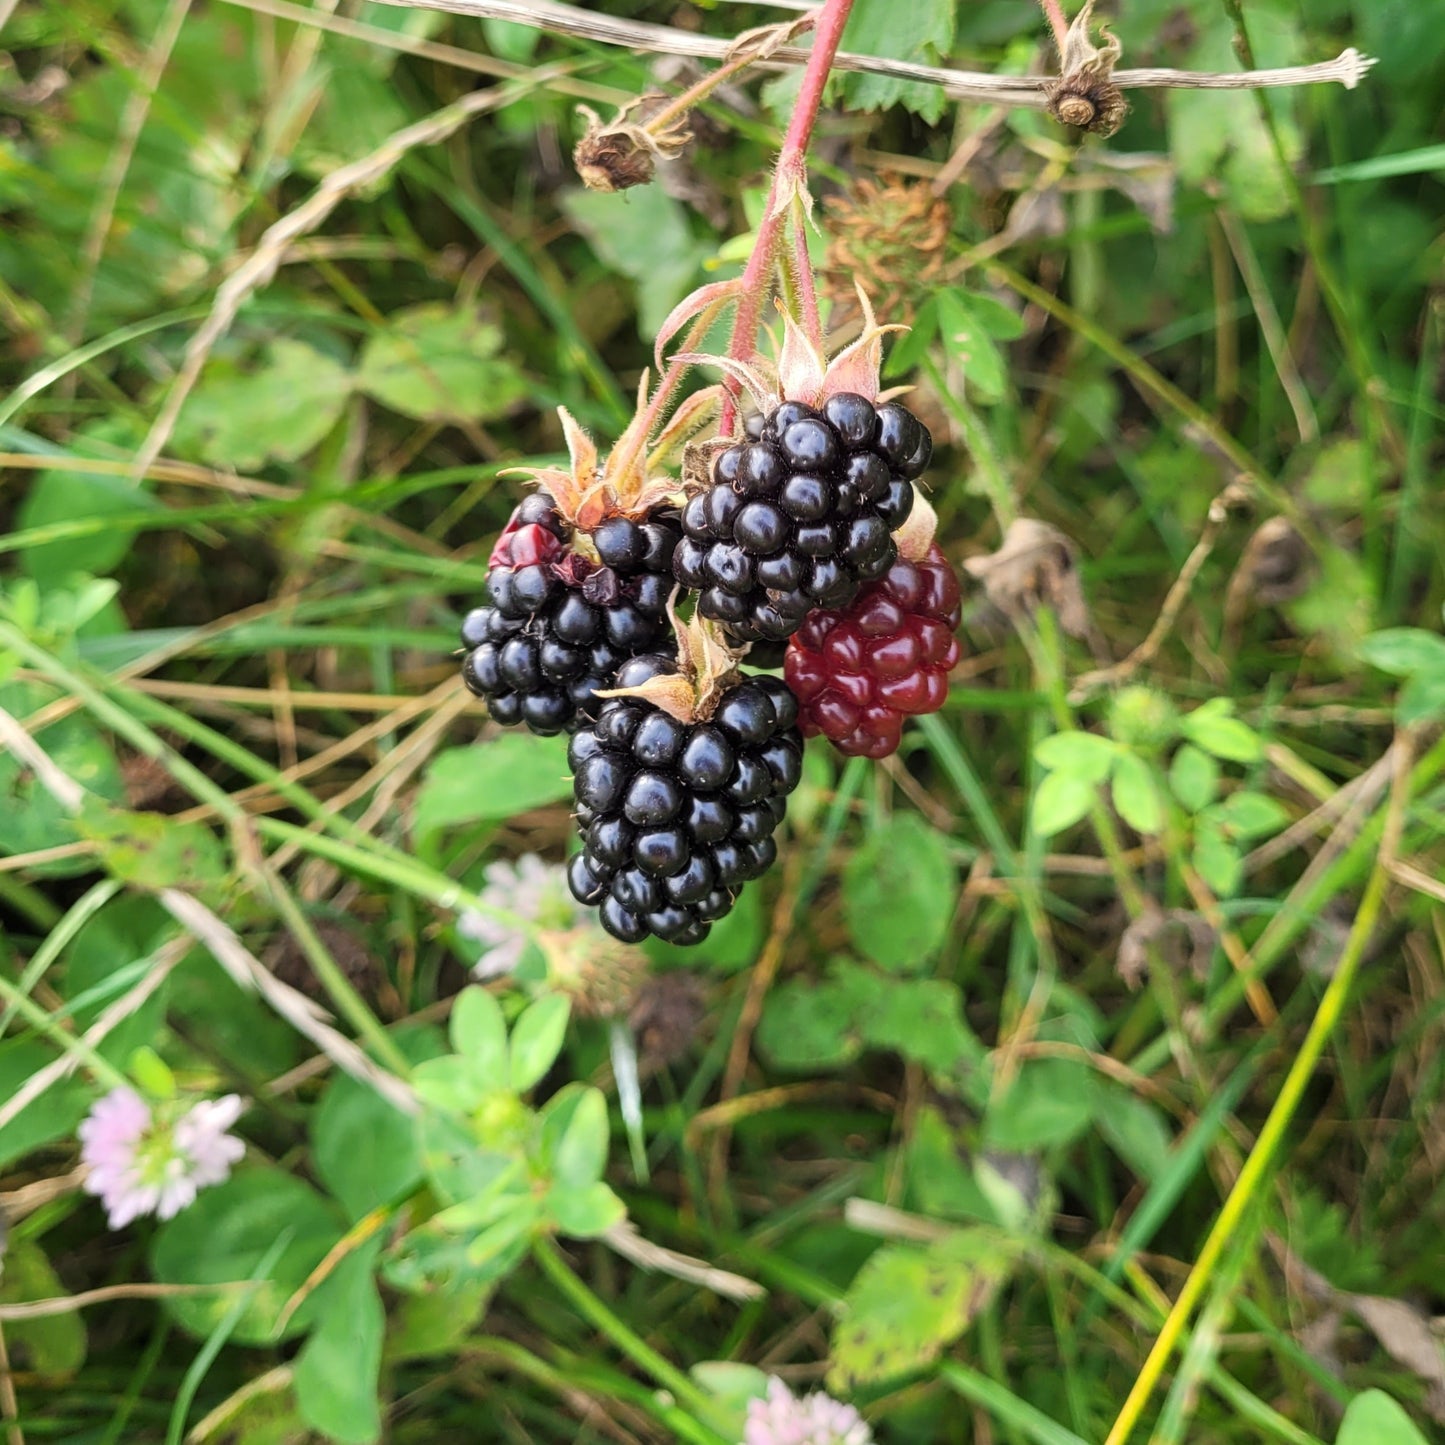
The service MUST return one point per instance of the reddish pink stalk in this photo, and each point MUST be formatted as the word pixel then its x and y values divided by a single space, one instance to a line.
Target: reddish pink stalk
pixel 790 173
pixel 1057 21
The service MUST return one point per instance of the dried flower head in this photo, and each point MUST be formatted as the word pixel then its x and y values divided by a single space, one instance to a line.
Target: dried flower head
pixel 802 372
pixel 707 665
pixel 893 231
pixel 631 480
pixel 784 1418
pixel 1035 565
pixel 144 1162
pixel 1084 95
pixel 619 154
pixel 600 975
pixel 665 1017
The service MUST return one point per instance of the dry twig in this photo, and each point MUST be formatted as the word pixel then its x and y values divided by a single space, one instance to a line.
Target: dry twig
pixel 1348 68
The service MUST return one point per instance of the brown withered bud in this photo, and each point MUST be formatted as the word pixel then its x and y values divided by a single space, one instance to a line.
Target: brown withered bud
pixel 1035 565
pixel 665 1017
pixel 619 154
pixel 1084 95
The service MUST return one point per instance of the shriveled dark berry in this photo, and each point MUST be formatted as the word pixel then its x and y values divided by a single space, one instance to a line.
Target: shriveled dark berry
pixel 857 674
pixel 559 626
pixel 680 815
pixel 801 514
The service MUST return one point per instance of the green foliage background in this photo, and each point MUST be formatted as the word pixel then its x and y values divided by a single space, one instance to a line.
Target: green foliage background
pixel 981 1060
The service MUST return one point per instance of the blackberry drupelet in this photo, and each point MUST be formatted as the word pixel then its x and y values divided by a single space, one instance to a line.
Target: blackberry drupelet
pixel 677 816
pixel 801 514
pixel 560 625
pixel 858 673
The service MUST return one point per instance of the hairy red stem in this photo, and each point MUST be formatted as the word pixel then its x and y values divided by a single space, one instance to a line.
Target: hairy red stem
pixel 789 174
pixel 1056 19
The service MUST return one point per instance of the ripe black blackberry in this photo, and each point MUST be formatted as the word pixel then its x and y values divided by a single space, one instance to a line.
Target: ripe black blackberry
pixel 801 514
pixel 677 815
pixel 559 624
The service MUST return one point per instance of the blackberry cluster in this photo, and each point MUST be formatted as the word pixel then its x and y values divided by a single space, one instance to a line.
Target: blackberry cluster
pixel 676 817
pixel 857 674
pixel 800 515
pixel 559 626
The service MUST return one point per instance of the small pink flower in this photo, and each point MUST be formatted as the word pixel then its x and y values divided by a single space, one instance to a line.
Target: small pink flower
pixel 817 1419
pixel 139 1163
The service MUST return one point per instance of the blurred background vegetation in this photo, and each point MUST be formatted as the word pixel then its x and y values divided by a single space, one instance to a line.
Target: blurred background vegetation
pixel 961 996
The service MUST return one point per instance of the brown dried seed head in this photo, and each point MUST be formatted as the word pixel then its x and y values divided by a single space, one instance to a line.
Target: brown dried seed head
pixel 621 154
pixel 1098 109
pixel 613 161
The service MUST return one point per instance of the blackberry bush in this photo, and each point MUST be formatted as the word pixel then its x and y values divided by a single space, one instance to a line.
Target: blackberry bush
pixel 858 673
pixel 679 785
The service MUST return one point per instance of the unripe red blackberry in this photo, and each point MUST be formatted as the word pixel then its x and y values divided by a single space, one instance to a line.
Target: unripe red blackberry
pixel 560 624
pixel 801 514
pixel 677 815
pixel 858 673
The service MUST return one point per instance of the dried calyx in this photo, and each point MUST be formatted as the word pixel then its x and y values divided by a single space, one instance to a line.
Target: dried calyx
pixel 618 154
pixel 632 481
pixel 706 667
pixel 1084 95
pixel 802 373
pixel 915 536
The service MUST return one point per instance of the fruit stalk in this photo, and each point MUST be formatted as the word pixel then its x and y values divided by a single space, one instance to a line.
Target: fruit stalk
pixel 789 179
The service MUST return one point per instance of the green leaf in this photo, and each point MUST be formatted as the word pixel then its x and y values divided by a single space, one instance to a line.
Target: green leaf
pixel 1193 778
pixel 1135 1130
pixel 153 851
pixel 30 819
pixel 1248 814
pixel 1215 133
pixel 920 31
pixel 1373 1418
pixel 919 1018
pixel 899 894
pixel 128 930
pixel 1135 796
pixel 53 1346
pixel 810 1027
pixel 435 362
pixel 436 1323
pixel 497 779
pixel 479 1035
pixel 278 411
pixel 1404 651
pixel 1211 727
pixel 537 1038
pixel 579 1153
pixel 1060 801
pixel 496 1247
pixel 906 1304
pixel 1049 1102
pixel 364 1149
pixel 969 345
pixel 447 1084
pixel 337 1372
pixel 645 236
pixel 731 1386
pixel 67 496
pixel 1422 699
pixel 1216 859
pixel 586 1213
pixel 226 1233
pixel 1081 755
